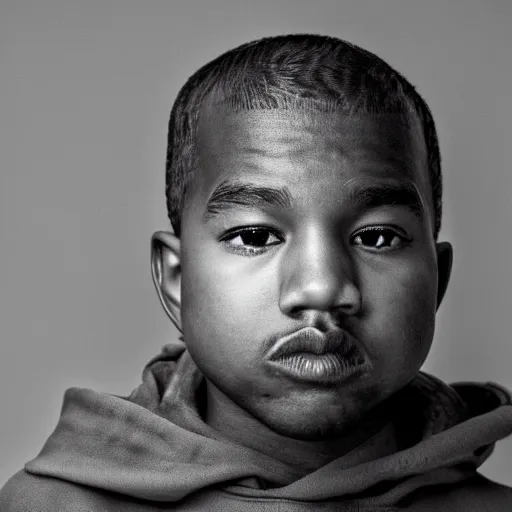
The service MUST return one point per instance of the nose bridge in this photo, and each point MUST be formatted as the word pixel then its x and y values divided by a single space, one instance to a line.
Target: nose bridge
pixel 317 274
pixel 319 259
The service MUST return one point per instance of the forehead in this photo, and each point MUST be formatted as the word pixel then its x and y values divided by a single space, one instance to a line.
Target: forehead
pixel 292 147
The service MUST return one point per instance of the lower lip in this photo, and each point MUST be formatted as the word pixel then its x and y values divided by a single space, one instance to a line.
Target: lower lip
pixel 330 368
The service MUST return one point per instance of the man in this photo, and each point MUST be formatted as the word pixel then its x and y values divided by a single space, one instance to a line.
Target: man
pixel 304 272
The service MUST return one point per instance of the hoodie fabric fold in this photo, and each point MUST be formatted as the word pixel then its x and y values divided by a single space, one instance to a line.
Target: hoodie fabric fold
pixel 153 451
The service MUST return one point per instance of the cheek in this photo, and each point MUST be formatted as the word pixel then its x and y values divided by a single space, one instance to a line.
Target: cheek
pixel 224 305
pixel 400 308
pixel 214 280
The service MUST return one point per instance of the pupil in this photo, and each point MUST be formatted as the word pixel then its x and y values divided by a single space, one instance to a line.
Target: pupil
pixel 255 237
pixel 377 239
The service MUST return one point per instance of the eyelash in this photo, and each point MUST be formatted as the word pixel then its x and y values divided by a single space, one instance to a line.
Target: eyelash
pixel 248 250
pixel 381 230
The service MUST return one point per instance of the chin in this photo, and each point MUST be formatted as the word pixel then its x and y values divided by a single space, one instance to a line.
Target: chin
pixel 312 427
pixel 317 419
pixel 313 431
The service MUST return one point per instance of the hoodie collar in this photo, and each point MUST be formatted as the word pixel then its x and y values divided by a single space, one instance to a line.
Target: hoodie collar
pixel 154 444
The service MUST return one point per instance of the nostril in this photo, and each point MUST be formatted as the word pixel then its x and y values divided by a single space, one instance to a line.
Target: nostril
pixel 345 299
pixel 318 278
pixel 350 299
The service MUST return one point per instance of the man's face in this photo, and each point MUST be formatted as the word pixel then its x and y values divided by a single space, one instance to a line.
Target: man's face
pixel 311 227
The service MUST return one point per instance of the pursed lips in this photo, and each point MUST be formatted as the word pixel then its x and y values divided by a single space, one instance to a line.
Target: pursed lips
pixel 311 340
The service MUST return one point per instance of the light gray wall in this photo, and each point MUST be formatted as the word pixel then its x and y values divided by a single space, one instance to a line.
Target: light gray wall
pixel 85 90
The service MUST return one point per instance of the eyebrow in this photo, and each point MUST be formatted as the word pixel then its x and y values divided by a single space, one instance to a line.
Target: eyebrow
pixel 387 194
pixel 231 195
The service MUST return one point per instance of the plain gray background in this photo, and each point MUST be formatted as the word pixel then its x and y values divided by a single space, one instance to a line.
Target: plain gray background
pixel 85 92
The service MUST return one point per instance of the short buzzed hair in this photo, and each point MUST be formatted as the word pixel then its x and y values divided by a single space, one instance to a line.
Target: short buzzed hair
pixel 299 71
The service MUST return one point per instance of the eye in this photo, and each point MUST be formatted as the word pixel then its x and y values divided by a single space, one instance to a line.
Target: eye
pixel 251 240
pixel 379 239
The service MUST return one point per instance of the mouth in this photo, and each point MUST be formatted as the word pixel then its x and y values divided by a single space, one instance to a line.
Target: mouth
pixel 310 356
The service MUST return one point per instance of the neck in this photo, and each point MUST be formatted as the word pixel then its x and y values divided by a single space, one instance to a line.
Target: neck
pixel 369 440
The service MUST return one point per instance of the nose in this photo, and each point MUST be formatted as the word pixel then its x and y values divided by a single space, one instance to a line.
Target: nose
pixel 318 275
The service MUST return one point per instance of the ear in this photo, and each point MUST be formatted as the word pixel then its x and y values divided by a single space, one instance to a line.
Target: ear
pixel 444 268
pixel 166 271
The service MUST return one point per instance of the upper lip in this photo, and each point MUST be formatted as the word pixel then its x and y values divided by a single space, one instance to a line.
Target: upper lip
pixel 310 339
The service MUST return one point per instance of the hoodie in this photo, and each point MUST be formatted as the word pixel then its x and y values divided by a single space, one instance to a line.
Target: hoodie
pixel 151 451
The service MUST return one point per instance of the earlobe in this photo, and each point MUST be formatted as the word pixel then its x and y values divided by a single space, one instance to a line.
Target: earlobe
pixel 166 271
pixel 444 268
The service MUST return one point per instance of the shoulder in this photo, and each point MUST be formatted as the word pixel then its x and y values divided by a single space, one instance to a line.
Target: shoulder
pixel 26 492
pixel 498 493
pixel 477 494
pixel 488 491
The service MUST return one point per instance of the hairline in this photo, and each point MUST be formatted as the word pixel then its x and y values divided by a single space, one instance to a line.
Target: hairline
pixel 232 72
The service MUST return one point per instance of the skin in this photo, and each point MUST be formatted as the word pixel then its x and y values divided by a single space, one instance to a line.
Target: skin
pixel 308 263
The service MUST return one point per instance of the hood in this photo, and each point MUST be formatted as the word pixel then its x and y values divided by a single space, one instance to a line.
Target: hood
pixel 155 446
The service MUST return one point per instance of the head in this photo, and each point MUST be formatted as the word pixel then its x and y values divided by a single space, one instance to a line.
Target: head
pixel 304 191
